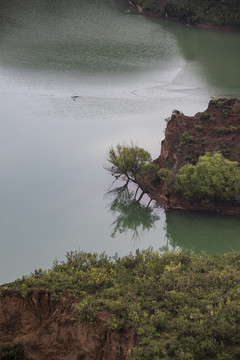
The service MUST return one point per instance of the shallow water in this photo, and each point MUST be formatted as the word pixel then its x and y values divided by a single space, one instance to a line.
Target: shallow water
pixel 129 72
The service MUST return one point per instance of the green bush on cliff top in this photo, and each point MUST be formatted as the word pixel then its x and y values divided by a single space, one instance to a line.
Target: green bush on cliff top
pixel 212 179
pixel 182 306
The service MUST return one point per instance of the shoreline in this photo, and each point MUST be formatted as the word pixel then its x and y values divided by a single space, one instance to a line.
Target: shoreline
pixel 216 129
pixel 197 25
pixel 194 26
pixel 182 204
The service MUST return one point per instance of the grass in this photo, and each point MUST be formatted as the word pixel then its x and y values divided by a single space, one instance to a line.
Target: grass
pixel 182 306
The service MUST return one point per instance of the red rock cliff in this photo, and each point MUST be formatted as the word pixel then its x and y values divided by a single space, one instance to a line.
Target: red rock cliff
pixel 216 129
pixel 187 137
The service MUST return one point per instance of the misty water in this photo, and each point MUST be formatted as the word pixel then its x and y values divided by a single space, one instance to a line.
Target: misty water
pixel 128 72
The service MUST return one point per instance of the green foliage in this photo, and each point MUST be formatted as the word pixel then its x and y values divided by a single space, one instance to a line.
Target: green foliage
pixel 204 141
pixel 189 159
pixel 205 115
pixel 81 273
pixel 186 138
pixel 85 311
pixel 227 130
pixel 11 351
pixel 168 177
pixel 226 114
pixel 198 127
pixel 225 151
pixel 220 13
pixel 213 179
pixel 130 163
pixel 182 306
pixel 150 5
pixel 212 119
pixel 218 104
pixel 24 290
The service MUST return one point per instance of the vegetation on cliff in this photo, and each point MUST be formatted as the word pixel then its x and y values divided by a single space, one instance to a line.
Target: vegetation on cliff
pixel 199 161
pixel 218 13
pixel 12 351
pixel 181 306
pixel 213 179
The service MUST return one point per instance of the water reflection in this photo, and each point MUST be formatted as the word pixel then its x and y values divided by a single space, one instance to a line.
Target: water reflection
pixel 192 231
pixel 131 215
pixel 202 232
pixel 217 53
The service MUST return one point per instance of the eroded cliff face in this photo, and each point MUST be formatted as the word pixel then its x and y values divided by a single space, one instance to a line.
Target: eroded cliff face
pixel 48 331
pixel 188 137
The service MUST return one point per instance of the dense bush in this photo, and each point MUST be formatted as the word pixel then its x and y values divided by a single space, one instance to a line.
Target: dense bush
pixel 220 13
pixel 186 138
pixel 213 179
pixel 182 306
pixel 11 351
pixel 130 163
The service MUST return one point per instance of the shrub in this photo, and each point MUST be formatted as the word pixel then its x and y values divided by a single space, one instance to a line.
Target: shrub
pixel 168 177
pixel 198 127
pixel 205 115
pixel 186 138
pixel 213 178
pixel 182 306
pixel 227 130
pixel 204 141
pixel 225 151
pixel 226 114
pixel 189 159
pixel 219 104
pixel 85 311
pixel 11 351
pixel 212 119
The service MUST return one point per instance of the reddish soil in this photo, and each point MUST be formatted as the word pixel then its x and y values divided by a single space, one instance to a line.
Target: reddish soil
pixel 215 129
pixel 48 331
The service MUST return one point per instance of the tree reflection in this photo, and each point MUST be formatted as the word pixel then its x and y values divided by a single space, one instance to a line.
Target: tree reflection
pixel 130 213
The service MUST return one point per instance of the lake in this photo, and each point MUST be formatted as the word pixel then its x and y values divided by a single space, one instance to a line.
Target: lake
pixel 128 73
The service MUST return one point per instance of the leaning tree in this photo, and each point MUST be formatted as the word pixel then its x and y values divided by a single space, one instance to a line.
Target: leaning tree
pixel 131 164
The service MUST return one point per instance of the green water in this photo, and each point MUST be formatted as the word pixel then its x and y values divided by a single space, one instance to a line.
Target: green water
pixel 129 72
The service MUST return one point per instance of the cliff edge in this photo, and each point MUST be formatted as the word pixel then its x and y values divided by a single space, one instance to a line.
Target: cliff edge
pixel 47 330
pixel 217 129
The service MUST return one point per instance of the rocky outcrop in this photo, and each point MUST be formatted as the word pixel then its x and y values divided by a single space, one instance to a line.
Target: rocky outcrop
pixel 187 137
pixel 215 129
pixel 48 331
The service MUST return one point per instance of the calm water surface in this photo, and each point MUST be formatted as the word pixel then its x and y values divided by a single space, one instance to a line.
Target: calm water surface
pixel 129 72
